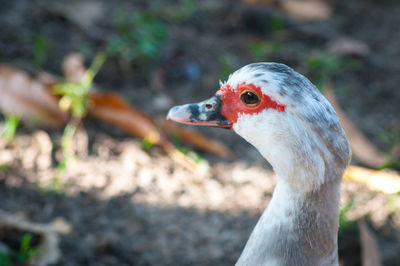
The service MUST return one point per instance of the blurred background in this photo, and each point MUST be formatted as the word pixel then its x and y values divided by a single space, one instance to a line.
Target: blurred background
pixel 92 174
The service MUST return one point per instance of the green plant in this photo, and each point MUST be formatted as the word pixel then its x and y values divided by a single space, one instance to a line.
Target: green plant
pixel 276 24
pixel 5 259
pixel 182 12
pixel 262 49
pixel 227 63
pixel 147 144
pixel 391 203
pixel 74 95
pixel 21 256
pixel 323 67
pixel 390 138
pixel 10 127
pixel 139 38
pixel 345 225
pixel 4 167
pixel 196 158
pixel 188 152
pixel 386 136
pixel 39 49
pixel 26 250
pixel 67 146
pixel 74 99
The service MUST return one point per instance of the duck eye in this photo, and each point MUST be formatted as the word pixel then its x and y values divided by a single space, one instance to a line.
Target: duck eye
pixel 249 98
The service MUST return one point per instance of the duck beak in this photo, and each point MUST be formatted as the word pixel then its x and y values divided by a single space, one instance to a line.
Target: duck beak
pixel 206 113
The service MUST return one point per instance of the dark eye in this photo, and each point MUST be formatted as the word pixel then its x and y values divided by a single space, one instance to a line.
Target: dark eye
pixel 249 98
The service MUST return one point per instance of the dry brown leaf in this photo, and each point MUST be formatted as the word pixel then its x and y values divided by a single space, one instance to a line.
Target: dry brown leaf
pixel 114 110
pixel 348 47
pixel 47 79
pixel 84 14
pixel 307 10
pixel 197 140
pixel 183 160
pixel 263 2
pixel 362 149
pixel 30 99
pixel 73 67
pixel 387 182
pixel 370 254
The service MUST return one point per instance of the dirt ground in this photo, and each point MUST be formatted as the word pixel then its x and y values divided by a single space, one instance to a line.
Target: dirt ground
pixel 127 206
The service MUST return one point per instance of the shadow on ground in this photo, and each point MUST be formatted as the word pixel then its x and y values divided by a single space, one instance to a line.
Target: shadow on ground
pixel 117 231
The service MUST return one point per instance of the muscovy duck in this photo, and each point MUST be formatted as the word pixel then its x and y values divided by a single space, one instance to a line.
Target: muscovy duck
pixel 294 127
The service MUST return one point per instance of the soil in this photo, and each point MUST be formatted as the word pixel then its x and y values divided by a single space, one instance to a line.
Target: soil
pixel 127 206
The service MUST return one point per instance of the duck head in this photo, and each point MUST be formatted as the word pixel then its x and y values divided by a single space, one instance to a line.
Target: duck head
pixel 283 115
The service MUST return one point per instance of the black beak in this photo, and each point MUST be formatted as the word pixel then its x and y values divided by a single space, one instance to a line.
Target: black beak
pixel 206 113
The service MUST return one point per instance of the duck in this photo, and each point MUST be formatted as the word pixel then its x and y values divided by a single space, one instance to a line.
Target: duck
pixel 293 126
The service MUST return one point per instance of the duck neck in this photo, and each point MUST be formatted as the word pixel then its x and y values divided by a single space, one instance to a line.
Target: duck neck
pixel 297 228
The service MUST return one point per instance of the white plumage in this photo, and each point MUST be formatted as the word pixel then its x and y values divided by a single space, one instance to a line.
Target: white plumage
pixel 307 147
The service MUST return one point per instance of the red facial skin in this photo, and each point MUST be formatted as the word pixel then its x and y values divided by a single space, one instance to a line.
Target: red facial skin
pixel 233 106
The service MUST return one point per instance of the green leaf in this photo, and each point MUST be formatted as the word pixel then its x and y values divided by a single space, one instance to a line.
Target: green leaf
pixel 39 49
pixel 139 39
pixel 10 127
